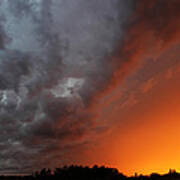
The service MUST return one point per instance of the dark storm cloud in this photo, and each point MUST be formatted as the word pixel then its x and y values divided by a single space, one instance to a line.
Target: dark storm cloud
pixel 55 58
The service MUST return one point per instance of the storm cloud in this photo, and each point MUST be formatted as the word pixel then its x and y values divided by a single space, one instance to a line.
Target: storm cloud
pixel 54 57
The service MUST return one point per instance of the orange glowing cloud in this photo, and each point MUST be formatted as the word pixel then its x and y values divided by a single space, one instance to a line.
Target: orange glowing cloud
pixel 154 29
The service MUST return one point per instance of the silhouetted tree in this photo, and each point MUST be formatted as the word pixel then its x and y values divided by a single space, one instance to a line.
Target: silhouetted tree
pixel 74 172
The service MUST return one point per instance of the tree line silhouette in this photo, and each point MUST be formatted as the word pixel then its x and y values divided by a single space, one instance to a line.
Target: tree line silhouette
pixel 86 173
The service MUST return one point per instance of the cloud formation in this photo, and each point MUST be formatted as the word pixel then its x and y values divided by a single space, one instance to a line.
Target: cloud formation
pixel 54 58
pixel 148 85
pixel 58 57
pixel 150 32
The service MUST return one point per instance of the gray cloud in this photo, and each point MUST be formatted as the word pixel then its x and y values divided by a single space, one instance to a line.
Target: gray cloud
pixel 54 57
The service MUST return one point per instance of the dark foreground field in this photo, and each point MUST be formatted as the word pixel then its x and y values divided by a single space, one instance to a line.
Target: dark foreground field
pixel 86 173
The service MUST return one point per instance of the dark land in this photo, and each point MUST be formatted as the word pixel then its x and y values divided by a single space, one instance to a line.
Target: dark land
pixel 86 173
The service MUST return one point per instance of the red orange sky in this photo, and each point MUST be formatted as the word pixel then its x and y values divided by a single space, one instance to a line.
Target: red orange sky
pixel 145 115
pixel 144 109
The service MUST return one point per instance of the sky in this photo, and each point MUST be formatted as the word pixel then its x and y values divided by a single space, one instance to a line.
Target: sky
pixel 89 82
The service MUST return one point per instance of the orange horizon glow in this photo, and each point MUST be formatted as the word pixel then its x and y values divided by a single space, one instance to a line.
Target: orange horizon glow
pixel 147 140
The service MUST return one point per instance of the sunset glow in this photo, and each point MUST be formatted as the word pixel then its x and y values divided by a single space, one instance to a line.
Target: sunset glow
pixel 90 82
